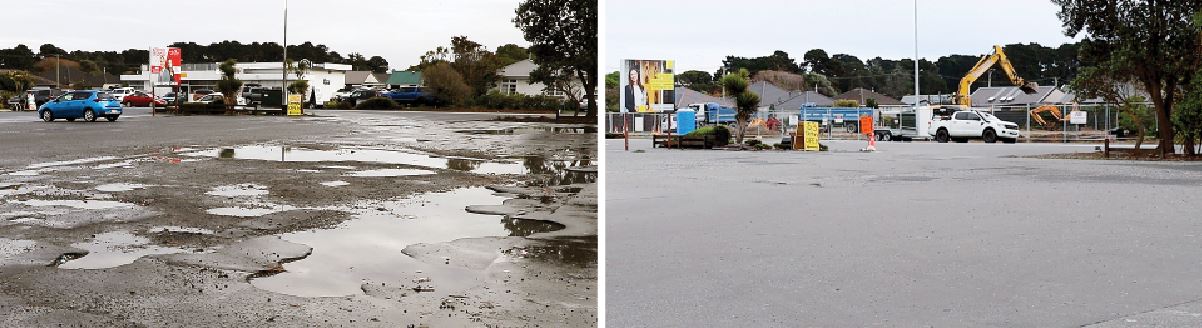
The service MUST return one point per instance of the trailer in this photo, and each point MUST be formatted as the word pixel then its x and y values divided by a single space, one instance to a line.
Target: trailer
pixel 829 117
pixel 706 113
pixel 903 124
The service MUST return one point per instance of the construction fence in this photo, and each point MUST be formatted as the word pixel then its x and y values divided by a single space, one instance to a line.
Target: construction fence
pixel 1038 123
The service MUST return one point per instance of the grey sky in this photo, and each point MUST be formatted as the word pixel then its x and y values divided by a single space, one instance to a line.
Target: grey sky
pixel 399 31
pixel 699 34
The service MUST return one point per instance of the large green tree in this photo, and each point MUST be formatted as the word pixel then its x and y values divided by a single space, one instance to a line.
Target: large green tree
pixel 563 37
pixel 1151 42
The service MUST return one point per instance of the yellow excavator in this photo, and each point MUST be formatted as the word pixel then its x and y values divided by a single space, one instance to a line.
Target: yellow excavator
pixel 964 96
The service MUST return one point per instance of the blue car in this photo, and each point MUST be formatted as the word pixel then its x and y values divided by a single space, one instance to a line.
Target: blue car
pixel 88 105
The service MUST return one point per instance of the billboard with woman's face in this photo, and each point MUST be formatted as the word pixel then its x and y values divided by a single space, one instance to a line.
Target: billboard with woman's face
pixel 647 86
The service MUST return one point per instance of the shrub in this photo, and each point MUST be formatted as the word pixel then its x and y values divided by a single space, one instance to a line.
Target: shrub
pixel 446 85
pixel 846 103
pixel 753 142
pixel 496 100
pixel 721 133
pixel 761 146
pixel 377 103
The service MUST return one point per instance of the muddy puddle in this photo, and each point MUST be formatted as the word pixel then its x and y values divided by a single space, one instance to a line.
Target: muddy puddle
pixel 365 155
pixel 533 130
pixel 112 249
pixel 368 247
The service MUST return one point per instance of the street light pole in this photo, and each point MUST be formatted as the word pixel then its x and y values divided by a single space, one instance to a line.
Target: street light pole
pixel 916 89
pixel 284 64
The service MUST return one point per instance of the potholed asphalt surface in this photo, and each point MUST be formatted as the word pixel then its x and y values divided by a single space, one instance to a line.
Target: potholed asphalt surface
pixel 914 235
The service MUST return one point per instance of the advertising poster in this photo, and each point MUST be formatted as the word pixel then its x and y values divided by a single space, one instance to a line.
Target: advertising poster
pixel 165 65
pixel 647 86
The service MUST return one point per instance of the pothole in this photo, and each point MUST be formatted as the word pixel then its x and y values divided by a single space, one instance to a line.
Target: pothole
pixel 112 249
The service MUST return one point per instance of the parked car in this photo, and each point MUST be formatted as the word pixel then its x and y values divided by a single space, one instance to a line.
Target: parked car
pixel 142 99
pixel 200 93
pixel 120 93
pixel 169 97
pixel 215 98
pixel 972 124
pixel 409 95
pixel 87 104
pixel 42 96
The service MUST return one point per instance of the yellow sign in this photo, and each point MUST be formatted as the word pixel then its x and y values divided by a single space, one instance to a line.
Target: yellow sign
pixel 811 135
pixel 661 81
pixel 294 105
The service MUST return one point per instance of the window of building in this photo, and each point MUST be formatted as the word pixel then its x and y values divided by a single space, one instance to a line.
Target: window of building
pixel 509 87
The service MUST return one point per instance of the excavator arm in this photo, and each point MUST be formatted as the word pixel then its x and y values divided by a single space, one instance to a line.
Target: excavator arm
pixel 998 57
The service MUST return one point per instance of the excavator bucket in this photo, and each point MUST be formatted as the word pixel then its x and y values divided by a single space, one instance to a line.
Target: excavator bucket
pixel 1029 87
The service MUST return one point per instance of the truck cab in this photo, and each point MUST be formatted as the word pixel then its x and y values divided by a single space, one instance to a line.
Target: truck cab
pixel 962 125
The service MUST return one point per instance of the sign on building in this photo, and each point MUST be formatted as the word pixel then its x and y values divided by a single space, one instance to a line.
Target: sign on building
pixel 647 86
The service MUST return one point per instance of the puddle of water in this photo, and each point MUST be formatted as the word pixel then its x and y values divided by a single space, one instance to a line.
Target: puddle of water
pixel 533 130
pixel 366 155
pixel 239 190
pixel 26 172
pixel 114 187
pixel 79 204
pixel 389 173
pixel 114 248
pixel 71 162
pixel 558 251
pixel 335 183
pixel 368 247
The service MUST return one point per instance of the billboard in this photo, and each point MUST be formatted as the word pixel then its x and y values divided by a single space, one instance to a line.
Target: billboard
pixel 165 65
pixel 647 86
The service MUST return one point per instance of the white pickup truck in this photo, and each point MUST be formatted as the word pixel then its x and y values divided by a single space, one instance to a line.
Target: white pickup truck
pixel 972 124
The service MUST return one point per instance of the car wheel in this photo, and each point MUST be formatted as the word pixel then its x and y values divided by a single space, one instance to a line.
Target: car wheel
pixel 111 118
pixel 89 115
pixel 941 136
pixel 989 136
pixel 47 116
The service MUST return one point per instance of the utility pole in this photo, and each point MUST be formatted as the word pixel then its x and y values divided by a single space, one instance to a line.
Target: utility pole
pixel 284 64
pixel 990 78
pixel 57 72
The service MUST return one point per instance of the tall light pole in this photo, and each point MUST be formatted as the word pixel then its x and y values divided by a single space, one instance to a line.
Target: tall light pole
pixel 916 90
pixel 284 64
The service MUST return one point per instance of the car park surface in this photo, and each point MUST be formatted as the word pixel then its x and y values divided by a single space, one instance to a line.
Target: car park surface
pixel 914 235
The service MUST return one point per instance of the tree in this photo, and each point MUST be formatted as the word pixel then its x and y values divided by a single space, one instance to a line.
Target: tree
pixel 612 84
pixel 19 58
pixel 700 81
pixel 47 50
pixel 377 64
pixel 1188 117
pixel 817 61
pixel 563 34
pixel 1149 41
pixel 511 53
pixel 229 85
pixel 477 65
pixel 746 101
pixel 446 84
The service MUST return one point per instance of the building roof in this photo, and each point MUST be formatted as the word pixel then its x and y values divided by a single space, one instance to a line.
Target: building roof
pixel 931 99
pixel 1010 95
pixel 797 99
pixel 381 78
pixel 358 77
pixel 518 69
pixel 686 97
pixel 405 78
pixel 863 95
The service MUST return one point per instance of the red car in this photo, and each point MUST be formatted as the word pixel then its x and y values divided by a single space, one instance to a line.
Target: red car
pixel 142 99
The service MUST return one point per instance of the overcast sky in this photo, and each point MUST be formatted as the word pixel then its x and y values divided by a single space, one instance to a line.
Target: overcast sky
pixel 399 31
pixel 699 34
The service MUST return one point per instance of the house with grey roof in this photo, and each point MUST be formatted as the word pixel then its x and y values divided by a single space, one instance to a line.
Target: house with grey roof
pixel 929 99
pixel 862 96
pixel 357 79
pixel 686 97
pixel 774 97
pixel 515 79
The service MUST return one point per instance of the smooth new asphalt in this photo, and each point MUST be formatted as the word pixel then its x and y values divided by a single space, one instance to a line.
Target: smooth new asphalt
pixel 914 235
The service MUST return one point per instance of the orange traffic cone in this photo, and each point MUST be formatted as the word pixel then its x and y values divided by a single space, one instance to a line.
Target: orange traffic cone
pixel 871 143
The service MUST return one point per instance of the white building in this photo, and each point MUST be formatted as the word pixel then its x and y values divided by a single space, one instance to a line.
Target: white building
pixel 515 79
pixel 324 79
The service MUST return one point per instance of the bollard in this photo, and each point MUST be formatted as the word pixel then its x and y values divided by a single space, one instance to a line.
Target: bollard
pixel 1106 148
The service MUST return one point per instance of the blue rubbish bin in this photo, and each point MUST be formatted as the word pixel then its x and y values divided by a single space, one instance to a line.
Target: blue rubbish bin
pixel 686 121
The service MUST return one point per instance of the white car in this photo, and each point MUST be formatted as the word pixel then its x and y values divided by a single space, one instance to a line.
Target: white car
pixel 120 93
pixel 973 124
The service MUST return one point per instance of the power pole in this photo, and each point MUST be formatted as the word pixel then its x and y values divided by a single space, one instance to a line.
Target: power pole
pixel 916 89
pixel 57 72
